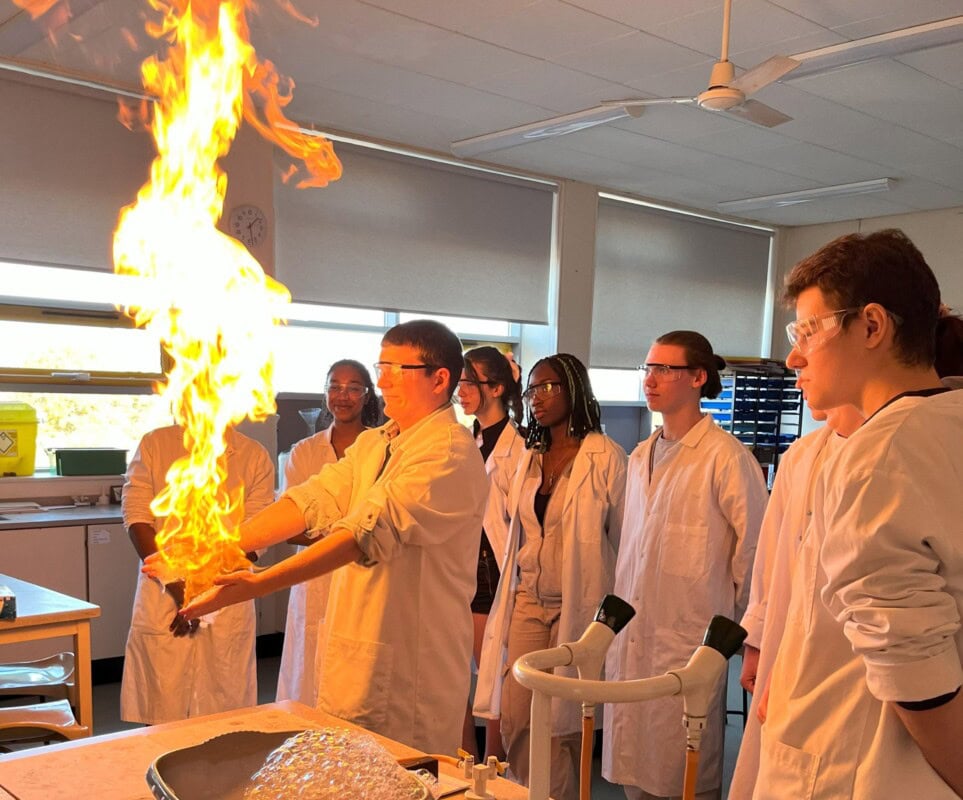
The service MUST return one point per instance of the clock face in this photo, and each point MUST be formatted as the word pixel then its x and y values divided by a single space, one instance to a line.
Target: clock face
pixel 248 224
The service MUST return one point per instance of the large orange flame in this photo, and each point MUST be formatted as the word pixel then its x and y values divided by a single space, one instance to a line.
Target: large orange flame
pixel 212 305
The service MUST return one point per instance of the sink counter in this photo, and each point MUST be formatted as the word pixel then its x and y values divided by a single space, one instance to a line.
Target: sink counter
pixel 58 517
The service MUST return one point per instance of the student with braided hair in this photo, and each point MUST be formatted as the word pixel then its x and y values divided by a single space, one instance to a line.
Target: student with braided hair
pixel 565 506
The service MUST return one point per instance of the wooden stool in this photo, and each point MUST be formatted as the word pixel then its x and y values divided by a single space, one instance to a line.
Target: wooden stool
pixel 41 722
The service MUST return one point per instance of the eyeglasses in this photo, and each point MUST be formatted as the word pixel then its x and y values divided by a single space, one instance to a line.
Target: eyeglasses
pixel 395 371
pixel 813 332
pixel 352 390
pixel 663 372
pixel 465 383
pixel 544 390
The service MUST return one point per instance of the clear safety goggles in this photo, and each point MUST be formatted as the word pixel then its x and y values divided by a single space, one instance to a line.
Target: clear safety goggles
pixel 813 332
pixel 543 390
pixel 353 390
pixel 663 372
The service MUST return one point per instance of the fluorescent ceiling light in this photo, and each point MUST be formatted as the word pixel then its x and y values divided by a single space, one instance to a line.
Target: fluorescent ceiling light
pixel 808 195
pixel 885 45
pixel 569 123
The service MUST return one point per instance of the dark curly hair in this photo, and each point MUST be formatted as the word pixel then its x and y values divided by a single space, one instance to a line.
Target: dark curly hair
pixel 371 411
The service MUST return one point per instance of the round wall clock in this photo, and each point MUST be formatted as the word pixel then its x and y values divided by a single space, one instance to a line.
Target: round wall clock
pixel 248 224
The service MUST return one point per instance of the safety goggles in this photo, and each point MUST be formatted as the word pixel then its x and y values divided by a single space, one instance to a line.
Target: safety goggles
pixel 353 390
pixel 813 332
pixel 395 371
pixel 543 390
pixel 663 372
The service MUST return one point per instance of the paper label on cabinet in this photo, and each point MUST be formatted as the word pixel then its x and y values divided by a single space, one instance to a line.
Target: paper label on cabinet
pixel 99 536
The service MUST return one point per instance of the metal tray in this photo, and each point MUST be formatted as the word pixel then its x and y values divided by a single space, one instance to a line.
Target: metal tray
pixel 218 769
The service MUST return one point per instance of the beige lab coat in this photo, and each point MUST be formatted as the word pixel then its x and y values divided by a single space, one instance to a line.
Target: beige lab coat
pixel 788 515
pixel 875 613
pixel 500 466
pixel 395 650
pixel 307 601
pixel 591 524
pixel 166 678
pixel 688 540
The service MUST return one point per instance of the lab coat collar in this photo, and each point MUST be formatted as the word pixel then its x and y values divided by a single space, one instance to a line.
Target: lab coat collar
pixel 396 437
pixel 697 432
pixel 582 465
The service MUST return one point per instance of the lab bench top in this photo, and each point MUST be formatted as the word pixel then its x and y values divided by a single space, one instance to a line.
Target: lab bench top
pixel 61 517
pixel 113 767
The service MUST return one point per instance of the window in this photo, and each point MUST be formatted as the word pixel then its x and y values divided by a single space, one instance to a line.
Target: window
pixel 89 373
pixel 616 385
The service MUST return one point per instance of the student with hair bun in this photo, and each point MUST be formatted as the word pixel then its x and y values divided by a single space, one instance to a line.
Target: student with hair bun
pixel 695 498
pixel 490 390
pixel 565 505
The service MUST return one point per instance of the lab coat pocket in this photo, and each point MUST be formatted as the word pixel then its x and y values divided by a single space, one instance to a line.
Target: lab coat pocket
pixel 785 771
pixel 683 549
pixel 356 681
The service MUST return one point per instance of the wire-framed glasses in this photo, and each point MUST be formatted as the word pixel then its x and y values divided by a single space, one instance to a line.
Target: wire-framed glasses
pixel 663 372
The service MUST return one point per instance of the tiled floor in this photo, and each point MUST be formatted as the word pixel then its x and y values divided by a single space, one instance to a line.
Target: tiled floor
pixel 107 720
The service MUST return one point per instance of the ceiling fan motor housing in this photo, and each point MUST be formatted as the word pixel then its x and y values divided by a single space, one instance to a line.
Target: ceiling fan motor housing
pixel 719 96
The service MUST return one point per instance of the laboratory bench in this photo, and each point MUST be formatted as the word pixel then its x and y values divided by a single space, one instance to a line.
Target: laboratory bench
pixel 113 767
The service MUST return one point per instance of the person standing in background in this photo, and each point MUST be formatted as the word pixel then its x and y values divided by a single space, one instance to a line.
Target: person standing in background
pixel 350 397
pixel 784 525
pixel 565 504
pixel 695 498
pixel 174 669
pixel 490 390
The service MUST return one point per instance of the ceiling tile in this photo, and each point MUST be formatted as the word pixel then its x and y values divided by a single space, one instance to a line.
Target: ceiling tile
pixel 546 29
pixel 550 86
pixel 755 24
pixel 453 15
pixel 943 63
pixel 646 15
pixel 888 90
pixel 630 58
pixel 884 15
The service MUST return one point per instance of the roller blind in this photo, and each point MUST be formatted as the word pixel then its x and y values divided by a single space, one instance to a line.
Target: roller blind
pixel 410 234
pixel 656 271
pixel 67 167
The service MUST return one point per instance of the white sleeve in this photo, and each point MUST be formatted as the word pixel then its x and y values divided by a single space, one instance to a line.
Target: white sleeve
pixel 886 580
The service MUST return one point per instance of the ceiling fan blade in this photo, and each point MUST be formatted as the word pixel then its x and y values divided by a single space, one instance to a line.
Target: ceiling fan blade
pixel 884 45
pixel 640 102
pixel 763 74
pixel 759 113
pixel 553 126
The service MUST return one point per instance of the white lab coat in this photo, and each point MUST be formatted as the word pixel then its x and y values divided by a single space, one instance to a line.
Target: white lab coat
pixel 591 524
pixel 395 653
pixel 688 541
pixel 500 466
pixel 875 612
pixel 788 514
pixel 307 601
pixel 166 678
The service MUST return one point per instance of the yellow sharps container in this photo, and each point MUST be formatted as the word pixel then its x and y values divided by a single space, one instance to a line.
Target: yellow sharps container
pixel 18 439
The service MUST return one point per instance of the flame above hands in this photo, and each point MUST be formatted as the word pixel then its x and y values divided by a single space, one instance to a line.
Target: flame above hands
pixel 210 302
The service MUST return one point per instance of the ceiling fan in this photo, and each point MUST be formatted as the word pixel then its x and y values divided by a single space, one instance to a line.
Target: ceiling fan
pixel 727 93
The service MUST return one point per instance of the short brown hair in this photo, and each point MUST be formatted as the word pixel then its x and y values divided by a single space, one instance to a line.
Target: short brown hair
pixel 437 344
pixel 884 267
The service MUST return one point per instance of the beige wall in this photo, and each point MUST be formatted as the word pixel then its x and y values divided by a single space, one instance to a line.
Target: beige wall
pixel 938 234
